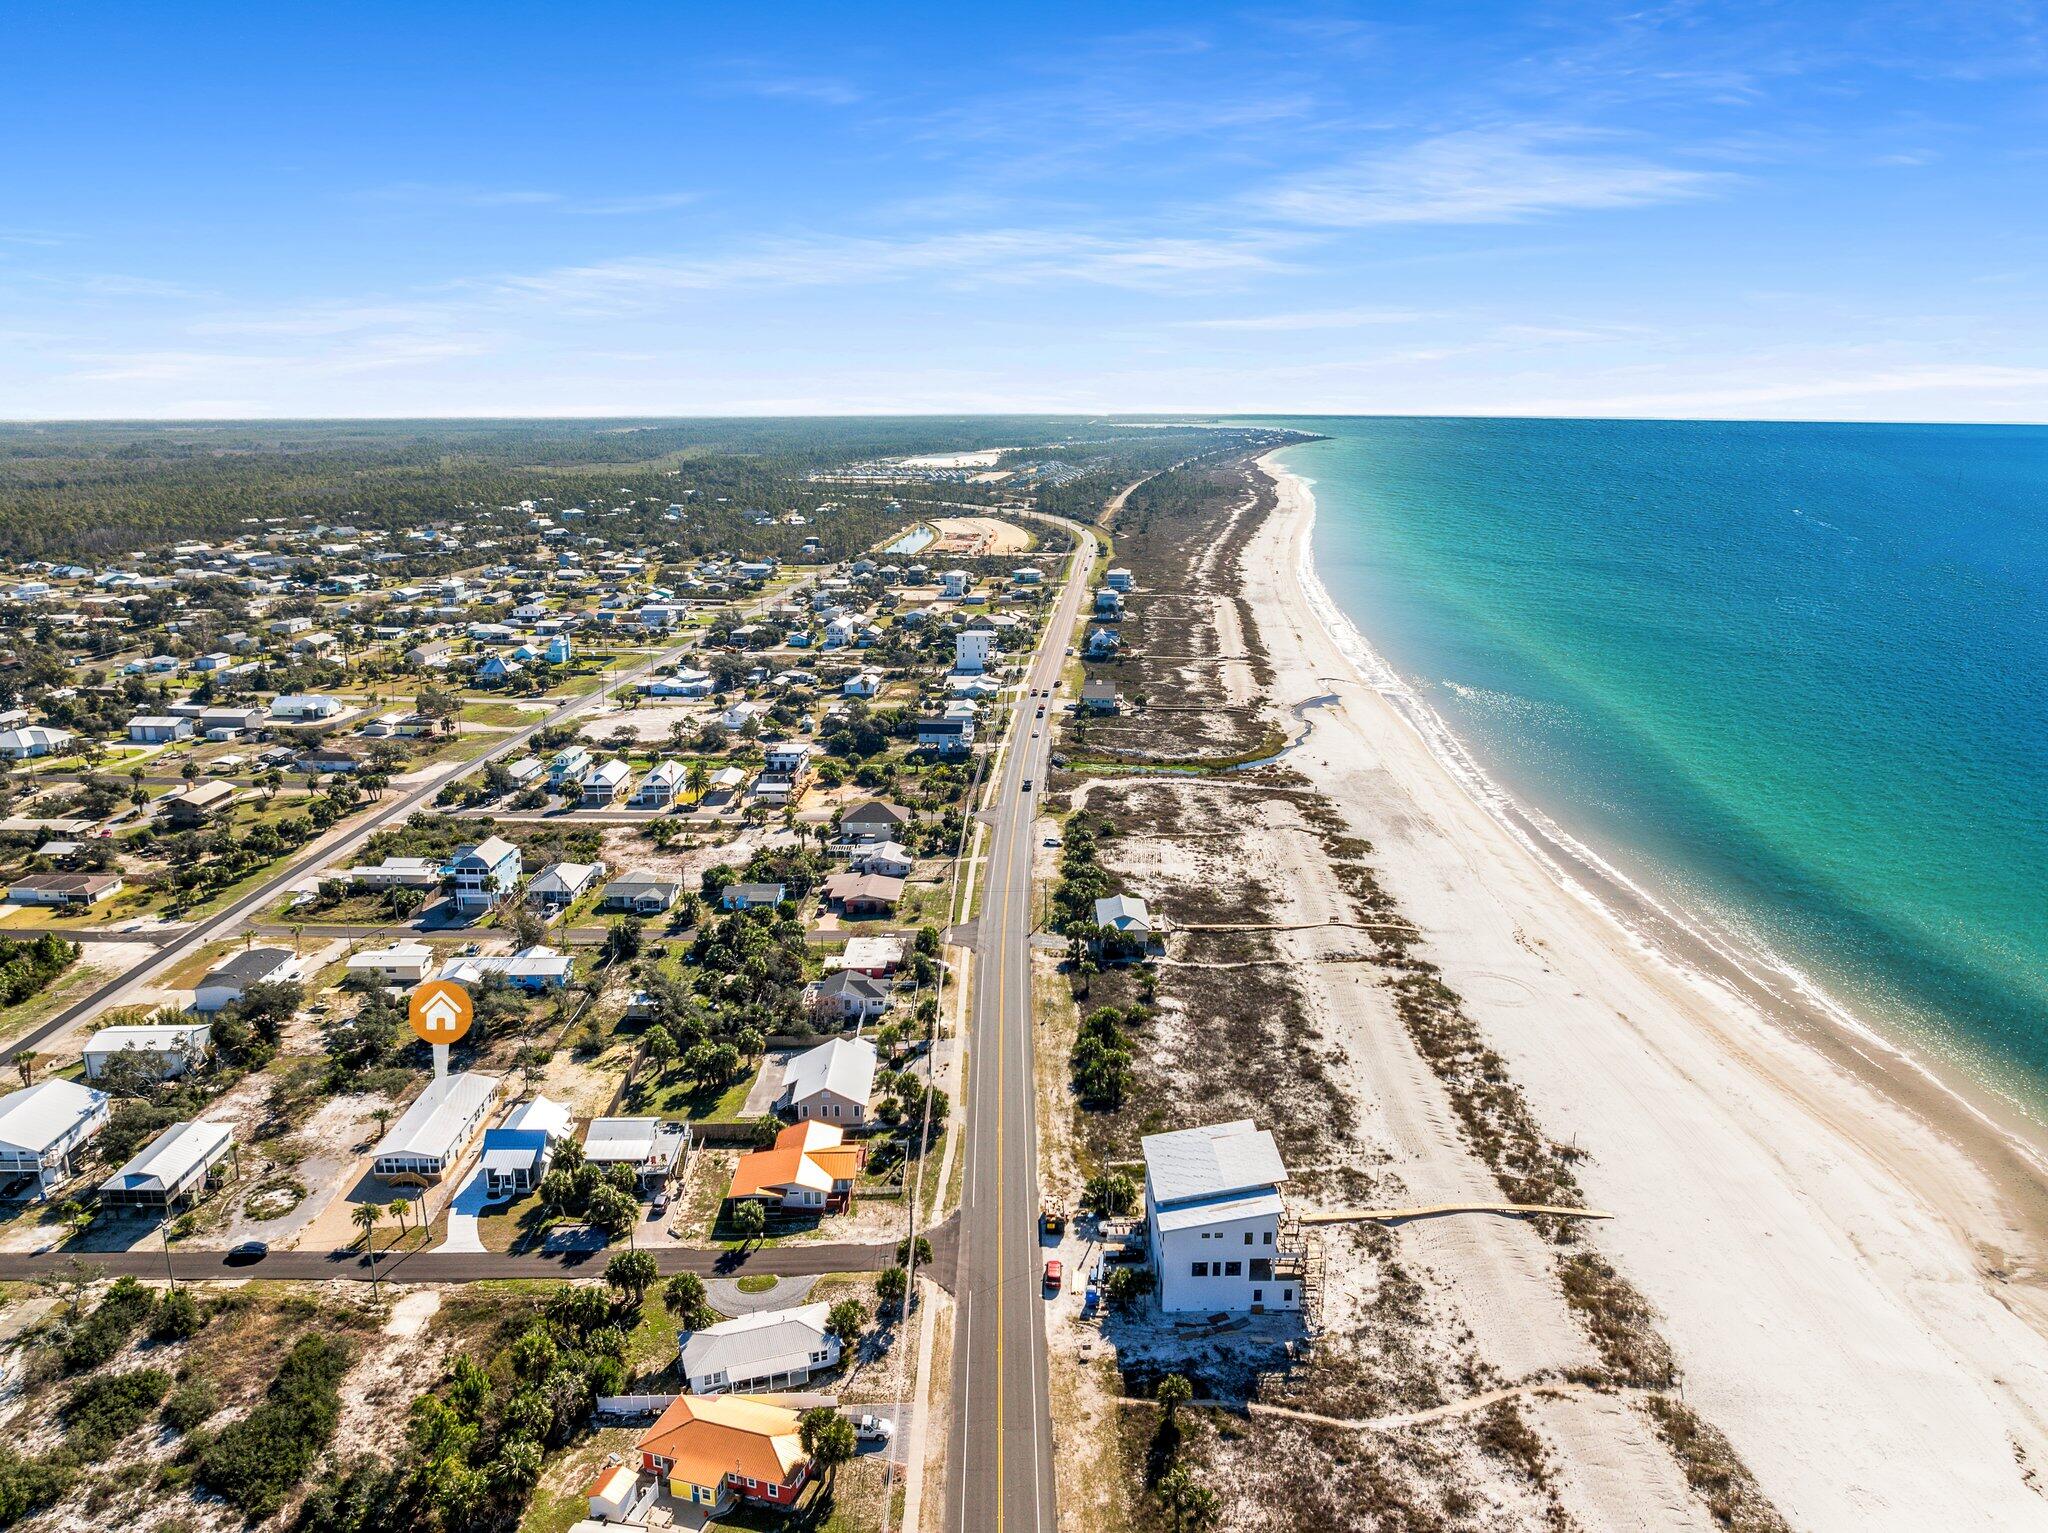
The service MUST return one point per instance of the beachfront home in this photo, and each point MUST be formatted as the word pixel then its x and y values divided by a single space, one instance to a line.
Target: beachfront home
pixel 42 1127
pixel 1213 1221
pixel 1125 914
pixel 171 1169
pixel 605 784
pixel 832 1082
pixel 396 873
pixel 163 1050
pixel 776 1349
pixel 660 788
pixel 435 1130
pixel 713 1451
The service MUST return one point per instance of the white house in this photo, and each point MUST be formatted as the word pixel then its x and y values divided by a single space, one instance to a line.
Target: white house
pixel 605 785
pixel 955 583
pixel 561 884
pixel 225 983
pixel 531 968
pixel 435 1129
pixel 1118 578
pixel 974 650
pixel 1124 913
pixel 305 706
pixel 660 787
pixel 483 873
pixel 1213 1219
pixel 865 684
pixel 776 1349
pixel 171 1168
pixel 35 740
pixel 402 963
pixel 43 1125
pixel 648 1146
pixel 165 1050
pixel 832 1082
pixel 569 766
pixel 846 995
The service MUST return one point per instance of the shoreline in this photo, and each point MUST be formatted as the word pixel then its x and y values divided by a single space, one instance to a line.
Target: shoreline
pixel 1779 1164
pixel 2015 1142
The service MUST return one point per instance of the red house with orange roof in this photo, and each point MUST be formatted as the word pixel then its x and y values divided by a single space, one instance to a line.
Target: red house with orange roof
pixel 712 1450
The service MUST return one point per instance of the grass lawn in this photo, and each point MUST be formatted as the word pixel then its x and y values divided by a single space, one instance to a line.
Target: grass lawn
pixel 514 1226
pixel 757 1282
pixel 680 1097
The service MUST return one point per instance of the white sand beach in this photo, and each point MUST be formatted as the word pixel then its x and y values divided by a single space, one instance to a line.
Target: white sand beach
pixel 1847 1257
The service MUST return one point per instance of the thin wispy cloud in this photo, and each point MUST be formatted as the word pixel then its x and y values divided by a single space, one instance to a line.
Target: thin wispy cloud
pixel 1312 319
pixel 1480 176
pixel 486 198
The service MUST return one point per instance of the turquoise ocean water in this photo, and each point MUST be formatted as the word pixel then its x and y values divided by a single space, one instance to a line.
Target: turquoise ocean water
pixel 1793 676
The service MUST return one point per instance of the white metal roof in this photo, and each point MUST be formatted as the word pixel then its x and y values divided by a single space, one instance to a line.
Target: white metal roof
pixel 844 1066
pixel 1208 1211
pixel 38 1116
pixel 431 1126
pixel 550 1118
pixel 153 1038
pixel 620 1138
pixel 1211 1162
pixel 167 1161
pixel 753 1346
pixel 1122 911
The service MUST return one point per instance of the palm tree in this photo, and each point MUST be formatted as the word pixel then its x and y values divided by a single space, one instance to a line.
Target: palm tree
pixel 1190 1507
pixel 366 1216
pixel 697 777
pixel 398 1208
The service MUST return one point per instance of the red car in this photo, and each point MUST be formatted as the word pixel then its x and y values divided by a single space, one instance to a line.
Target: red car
pixel 1053 1273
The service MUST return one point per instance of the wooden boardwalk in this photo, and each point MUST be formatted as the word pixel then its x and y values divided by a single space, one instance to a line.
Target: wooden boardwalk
pixel 1439 1210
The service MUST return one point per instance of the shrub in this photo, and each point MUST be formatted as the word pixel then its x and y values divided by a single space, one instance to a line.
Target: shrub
pixel 103 1333
pixel 256 1462
pixel 27 1485
pixel 104 1410
pixel 178 1316
pixel 190 1404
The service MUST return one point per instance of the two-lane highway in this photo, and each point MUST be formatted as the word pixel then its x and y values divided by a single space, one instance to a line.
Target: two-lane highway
pixel 999 1473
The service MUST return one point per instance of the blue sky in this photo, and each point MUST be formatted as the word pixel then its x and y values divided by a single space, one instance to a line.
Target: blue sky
pixel 1795 210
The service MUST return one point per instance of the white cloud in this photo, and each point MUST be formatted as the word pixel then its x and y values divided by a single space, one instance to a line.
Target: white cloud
pixel 1479 176
pixel 1314 319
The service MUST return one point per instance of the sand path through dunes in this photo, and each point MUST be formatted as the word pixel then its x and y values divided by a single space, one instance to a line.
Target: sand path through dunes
pixel 1814 1246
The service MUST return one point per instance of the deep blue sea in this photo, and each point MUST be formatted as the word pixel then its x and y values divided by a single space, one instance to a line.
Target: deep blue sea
pixel 1794 676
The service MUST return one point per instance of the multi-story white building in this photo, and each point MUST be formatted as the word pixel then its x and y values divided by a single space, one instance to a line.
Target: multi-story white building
pixel 1213 1219
pixel 974 651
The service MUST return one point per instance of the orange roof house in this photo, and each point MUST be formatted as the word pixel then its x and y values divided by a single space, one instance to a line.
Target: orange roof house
pixel 809 1166
pixel 712 1449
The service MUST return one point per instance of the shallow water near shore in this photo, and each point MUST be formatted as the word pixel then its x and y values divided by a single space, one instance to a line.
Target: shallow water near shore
pixel 1790 679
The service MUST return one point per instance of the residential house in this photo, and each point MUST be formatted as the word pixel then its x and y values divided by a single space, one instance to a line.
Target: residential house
pixel 1098 696
pixel 872 821
pixel 788 758
pixel 197 803
pixel 974 651
pixel 171 1169
pixel 497 668
pixel 810 1169
pixel 1213 1221
pixel 713 1451
pixel 876 957
pixel 569 766
pixel 483 873
pixel 1108 603
pixel 43 1126
pixel 227 982
pixel 662 785
pixel 605 785
pixel 862 684
pixel 517 1152
pixel 776 1349
pixel 945 737
pixel 1118 578
pixel 955 583
pixel 433 656
pixel 561 884
pixel 617 1496
pixel 891 859
pixel 864 894
pixel 64 890
pixel 648 1146
pixel 158 729
pixel 164 1050
pixel 396 873
pixel 402 963
pixel 642 893
pixel 750 896
pixel 1125 913
pixel 847 996
pixel 33 740
pixel 303 707
pixel 532 969
pixel 832 1082
pixel 432 1133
